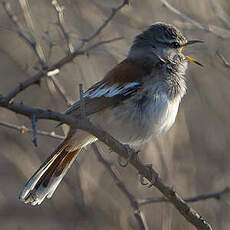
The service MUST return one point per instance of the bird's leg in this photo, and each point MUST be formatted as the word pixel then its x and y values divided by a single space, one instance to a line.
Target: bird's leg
pixel 154 176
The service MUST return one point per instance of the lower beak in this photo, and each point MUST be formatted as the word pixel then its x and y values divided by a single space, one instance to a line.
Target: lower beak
pixel 189 59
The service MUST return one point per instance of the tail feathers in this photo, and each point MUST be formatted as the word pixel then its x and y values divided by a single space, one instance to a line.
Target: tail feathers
pixel 45 181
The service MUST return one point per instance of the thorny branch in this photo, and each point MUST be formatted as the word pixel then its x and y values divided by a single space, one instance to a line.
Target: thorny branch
pixel 124 151
pixel 58 65
pixel 206 196
pixel 67 59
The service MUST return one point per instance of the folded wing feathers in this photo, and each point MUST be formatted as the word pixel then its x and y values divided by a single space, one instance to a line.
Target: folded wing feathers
pixel 103 90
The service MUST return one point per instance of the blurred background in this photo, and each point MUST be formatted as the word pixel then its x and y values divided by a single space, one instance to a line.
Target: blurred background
pixel 193 157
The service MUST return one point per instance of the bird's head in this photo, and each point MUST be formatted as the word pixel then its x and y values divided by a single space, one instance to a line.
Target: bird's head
pixel 162 41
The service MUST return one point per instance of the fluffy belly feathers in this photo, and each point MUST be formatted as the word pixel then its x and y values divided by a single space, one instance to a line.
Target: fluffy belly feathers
pixel 137 120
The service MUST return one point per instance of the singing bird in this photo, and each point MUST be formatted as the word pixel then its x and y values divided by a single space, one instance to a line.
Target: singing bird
pixel 137 100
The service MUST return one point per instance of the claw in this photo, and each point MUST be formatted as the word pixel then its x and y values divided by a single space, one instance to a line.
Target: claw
pixel 154 177
pixel 126 162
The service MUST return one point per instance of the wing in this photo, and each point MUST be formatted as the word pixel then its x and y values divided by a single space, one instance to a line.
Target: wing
pixel 119 84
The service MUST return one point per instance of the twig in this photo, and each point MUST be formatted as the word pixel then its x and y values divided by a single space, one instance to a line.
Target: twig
pixel 24 129
pixel 34 128
pixel 19 30
pixel 220 13
pixel 134 204
pixel 105 23
pixel 60 15
pixel 190 214
pixel 82 102
pixel 225 62
pixel 30 24
pixel 32 43
pixel 58 65
pixel 61 90
pixel 185 17
pixel 219 32
pixel 58 86
pixel 216 195
pixel 77 52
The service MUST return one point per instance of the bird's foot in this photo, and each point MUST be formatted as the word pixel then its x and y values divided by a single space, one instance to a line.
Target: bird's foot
pixel 154 176
pixel 126 162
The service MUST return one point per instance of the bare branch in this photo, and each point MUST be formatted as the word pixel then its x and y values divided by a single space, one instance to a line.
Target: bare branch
pixel 19 30
pixel 134 204
pixel 190 214
pixel 223 59
pixel 30 24
pixel 23 129
pixel 185 17
pixel 34 128
pixel 58 65
pixel 58 86
pixel 105 23
pixel 220 13
pixel 219 32
pixel 216 195
pixel 60 15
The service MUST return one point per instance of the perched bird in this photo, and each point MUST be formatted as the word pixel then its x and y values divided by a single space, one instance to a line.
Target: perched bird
pixel 137 100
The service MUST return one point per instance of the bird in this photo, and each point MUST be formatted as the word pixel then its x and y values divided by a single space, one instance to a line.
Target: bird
pixel 137 100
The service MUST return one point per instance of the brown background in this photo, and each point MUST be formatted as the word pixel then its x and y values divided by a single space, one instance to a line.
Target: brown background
pixel 193 157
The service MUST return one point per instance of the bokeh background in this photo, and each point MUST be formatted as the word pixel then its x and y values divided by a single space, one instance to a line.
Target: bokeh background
pixel 193 157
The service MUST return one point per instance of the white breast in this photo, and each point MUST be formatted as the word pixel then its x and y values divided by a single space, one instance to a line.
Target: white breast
pixel 133 124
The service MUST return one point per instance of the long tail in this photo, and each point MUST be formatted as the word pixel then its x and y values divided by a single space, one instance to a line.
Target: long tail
pixel 46 179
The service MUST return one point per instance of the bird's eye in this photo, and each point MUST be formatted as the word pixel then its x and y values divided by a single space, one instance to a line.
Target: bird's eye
pixel 175 45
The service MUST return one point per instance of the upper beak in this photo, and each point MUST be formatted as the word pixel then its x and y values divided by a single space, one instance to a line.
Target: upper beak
pixel 193 42
pixel 189 59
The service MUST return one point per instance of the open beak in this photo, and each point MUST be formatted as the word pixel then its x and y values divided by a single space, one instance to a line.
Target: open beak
pixel 189 59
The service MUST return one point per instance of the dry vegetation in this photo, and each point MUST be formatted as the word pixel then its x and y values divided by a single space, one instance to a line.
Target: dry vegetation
pixel 78 44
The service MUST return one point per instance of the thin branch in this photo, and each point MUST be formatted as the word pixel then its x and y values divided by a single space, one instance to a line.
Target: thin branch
pixel 58 86
pixel 77 52
pixel 220 13
pixel 105 23
pixel 58 65
pixel 202 197
pixel 30 24
pixel 34 128
pixel 124 151
pixel 134 204
pixel 60 15
pixel 23 129
pixel 19 29
pixel 223 59
pixel 185 17
pixel 82 102
pixel 219 32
